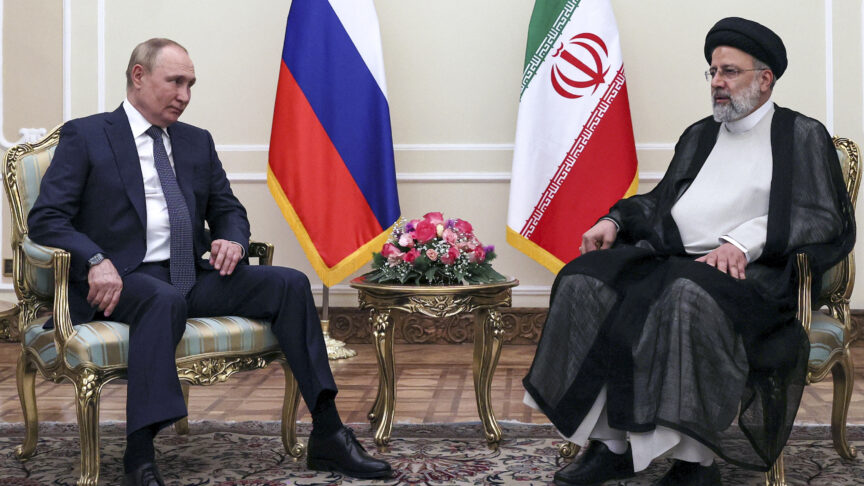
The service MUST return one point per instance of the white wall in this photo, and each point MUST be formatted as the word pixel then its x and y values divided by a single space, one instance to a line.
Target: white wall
pixel 453 72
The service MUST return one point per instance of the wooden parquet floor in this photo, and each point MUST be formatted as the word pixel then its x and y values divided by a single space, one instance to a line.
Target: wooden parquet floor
pixel 434 384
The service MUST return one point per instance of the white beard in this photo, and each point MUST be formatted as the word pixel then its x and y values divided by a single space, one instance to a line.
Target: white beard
pixel 739 105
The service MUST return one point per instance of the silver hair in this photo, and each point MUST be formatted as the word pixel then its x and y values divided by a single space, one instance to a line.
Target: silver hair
pixel 146 53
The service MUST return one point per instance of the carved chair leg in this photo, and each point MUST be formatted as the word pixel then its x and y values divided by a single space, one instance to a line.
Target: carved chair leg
pixel 88 386
pixel 181 427
pixel 26 377
pixel 776 476
pixel 843 375
pixel 289 414
pixel 568 450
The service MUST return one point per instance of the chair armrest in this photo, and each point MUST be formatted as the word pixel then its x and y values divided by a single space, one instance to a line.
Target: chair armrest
pixel 38 255
pixel 58 261
pixel 805 299
pixel 262 251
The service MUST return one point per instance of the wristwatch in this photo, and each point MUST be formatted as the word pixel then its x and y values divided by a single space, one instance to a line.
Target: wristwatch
pixel 95 260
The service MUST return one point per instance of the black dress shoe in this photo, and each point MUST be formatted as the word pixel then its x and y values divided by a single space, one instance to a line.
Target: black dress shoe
pixel 146 475
pixel 596 465
pixel 685 473
pixel 340 452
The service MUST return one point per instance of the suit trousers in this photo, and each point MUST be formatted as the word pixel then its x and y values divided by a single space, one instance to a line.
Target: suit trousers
pixel 156 313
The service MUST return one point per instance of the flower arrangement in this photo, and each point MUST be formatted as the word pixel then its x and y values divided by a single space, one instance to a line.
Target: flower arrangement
pixel 434 251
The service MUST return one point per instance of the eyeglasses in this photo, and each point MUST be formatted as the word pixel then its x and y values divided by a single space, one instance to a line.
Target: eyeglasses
pixel 727 73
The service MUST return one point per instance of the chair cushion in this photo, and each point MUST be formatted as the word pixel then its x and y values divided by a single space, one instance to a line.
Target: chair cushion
pixel 827 336
pixel 28 173
pixel 39 279
pixel 106 343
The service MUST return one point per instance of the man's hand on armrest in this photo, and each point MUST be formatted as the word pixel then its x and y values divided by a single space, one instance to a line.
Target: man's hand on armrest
pixel 105 287
pixel 728 259
pixel 224 255
pixel 599 237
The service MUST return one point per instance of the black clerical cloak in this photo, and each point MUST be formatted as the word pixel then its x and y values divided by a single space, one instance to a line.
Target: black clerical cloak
pixel 679 343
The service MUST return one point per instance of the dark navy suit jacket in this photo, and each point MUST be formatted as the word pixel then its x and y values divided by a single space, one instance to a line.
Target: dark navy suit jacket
pixel 92 198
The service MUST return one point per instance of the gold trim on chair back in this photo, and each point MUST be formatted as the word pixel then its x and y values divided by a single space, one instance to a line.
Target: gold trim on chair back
pixel 11 178
pixel 850 160
pixel 838 282
pixel 33 285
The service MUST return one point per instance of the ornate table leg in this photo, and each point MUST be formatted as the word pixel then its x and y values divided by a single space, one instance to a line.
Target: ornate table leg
pixel 381 415
pixel 488 334
pixel 9 321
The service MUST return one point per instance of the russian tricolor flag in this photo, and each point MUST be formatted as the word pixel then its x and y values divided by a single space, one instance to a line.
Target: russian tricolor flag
pixel 331 166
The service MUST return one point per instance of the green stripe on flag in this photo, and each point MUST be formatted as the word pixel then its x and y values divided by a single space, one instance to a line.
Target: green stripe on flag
pixel 547 22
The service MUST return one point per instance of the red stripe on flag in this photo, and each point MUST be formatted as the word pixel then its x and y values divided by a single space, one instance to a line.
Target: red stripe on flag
pixel 314 178
pixel 598 179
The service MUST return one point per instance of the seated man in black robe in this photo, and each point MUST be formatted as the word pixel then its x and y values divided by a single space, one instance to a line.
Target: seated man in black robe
pixel 678 338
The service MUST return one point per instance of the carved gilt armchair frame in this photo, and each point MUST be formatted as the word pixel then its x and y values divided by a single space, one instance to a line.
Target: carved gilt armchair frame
pixel 88 378
pixel 834 355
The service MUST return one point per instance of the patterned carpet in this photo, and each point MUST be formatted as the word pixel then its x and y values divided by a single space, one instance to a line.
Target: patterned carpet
pixel 250 454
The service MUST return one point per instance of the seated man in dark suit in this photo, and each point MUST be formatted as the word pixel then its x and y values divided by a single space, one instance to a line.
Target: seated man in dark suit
pixel 674 334
pixel 128 194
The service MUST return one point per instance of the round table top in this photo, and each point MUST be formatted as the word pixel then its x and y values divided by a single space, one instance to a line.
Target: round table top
pixel 360 283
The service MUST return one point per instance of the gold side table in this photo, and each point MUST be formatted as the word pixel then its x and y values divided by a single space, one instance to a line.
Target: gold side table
pixel 8 321
pixel 436 301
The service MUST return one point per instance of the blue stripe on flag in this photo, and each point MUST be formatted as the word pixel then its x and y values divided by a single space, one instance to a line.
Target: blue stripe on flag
pixel 347 100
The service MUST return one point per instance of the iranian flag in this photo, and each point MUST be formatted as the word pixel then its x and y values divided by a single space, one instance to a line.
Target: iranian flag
pixel 574 155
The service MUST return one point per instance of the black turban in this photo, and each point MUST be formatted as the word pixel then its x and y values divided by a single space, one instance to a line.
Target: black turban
pixel 751 37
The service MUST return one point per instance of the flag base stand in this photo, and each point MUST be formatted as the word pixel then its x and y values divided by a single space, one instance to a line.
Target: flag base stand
pixel 335 349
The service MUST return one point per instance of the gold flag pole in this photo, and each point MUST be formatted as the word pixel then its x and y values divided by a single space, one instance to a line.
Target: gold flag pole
pixel 335 349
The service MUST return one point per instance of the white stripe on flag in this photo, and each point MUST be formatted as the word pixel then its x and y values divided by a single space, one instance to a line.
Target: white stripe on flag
pixel 359 19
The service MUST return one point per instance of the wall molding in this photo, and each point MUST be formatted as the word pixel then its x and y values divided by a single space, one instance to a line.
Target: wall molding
pixel 67 60
pixel 436 147
pixel 433 177
pixel 100 57
pixel 829 66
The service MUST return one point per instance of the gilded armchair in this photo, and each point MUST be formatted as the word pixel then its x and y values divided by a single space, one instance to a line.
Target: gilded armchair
pixel 828 322
pixel 830 331
pixel 92 354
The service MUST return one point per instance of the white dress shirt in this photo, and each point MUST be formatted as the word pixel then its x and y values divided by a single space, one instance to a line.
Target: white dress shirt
pixel 158 225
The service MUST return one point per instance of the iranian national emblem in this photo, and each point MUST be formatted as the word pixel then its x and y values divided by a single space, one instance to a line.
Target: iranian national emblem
pixel 582 68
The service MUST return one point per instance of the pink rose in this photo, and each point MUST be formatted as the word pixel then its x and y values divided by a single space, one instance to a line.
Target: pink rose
pixel 411 255
pixel 449 236
pixel 425 231
pixel 390 250
pixel 478 255
pixel 450 257
pixel 463 226
pixel 432 254
pixel 434 218
pixel 407 240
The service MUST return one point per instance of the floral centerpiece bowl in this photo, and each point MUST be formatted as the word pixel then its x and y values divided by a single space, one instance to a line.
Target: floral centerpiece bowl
pixel 433 251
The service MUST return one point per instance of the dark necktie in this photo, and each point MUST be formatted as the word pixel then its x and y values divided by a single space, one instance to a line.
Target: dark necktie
pixel 182 264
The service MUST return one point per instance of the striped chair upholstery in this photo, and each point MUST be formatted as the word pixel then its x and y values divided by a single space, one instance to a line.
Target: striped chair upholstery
pixel 827 338
pixel 29 172
pixel 105 344
pixel 92 354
